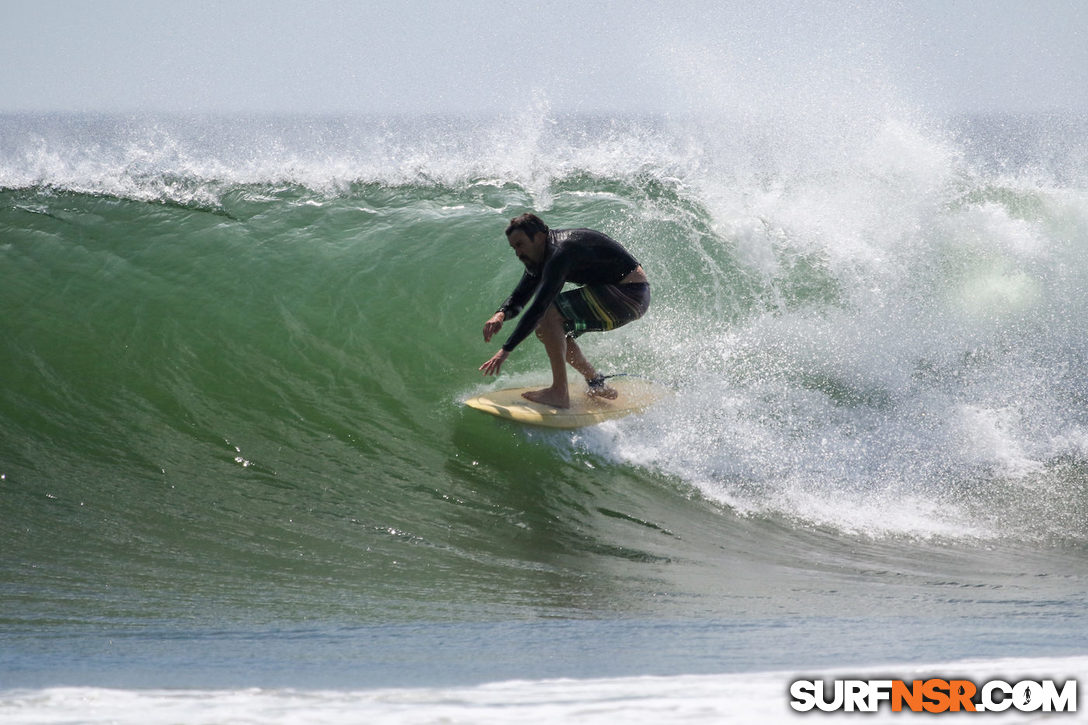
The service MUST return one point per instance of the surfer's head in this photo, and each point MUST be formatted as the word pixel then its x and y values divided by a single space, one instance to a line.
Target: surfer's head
pixel 528 223
pixel 528 236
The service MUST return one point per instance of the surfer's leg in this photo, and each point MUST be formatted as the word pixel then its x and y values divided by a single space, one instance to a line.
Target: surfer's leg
pixel 551 333
pixel 579 362
pixel 599 308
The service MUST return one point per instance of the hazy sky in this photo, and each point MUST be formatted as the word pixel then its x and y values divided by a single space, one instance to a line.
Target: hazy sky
pixel 573 55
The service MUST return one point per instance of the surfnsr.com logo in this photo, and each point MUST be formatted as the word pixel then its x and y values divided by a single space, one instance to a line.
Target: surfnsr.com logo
pixel 934 695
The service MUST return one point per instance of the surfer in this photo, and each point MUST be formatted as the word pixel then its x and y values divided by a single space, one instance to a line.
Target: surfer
pixel 614 291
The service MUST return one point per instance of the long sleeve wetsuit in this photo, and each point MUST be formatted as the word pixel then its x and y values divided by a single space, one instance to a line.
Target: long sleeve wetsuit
pixel 581 256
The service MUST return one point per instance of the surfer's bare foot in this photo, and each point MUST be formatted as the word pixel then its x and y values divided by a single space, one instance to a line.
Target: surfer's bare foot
pixel 603 391
pixel 549 396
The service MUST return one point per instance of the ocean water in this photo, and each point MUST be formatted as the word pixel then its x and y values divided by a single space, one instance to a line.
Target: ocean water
pixel 237 483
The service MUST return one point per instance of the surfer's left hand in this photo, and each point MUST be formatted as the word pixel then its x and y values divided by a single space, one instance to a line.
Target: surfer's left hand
pixel 492 366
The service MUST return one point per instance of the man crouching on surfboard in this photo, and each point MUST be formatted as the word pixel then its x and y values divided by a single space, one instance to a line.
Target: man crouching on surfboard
pixel 614 291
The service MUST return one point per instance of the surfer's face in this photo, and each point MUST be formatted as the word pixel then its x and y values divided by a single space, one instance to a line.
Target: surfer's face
pixel 529 250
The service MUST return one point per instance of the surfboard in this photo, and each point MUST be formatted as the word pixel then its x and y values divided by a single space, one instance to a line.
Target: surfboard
pixel 635 395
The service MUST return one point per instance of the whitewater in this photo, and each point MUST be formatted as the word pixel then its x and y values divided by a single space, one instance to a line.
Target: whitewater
pixel 237 482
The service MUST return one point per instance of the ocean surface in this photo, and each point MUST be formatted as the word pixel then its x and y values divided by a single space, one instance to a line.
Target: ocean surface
pixel 237 483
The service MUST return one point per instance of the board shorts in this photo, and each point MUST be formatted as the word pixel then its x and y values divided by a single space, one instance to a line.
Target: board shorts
pixel 598 308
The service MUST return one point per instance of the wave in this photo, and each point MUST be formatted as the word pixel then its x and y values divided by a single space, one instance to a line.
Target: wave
pixel 260 329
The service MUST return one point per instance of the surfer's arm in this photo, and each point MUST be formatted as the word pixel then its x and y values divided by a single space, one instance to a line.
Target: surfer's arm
pixel 521 294
pixel 552 279
pixel 512 306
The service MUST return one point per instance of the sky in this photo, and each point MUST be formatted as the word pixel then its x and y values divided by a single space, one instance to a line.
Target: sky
pixel 579 56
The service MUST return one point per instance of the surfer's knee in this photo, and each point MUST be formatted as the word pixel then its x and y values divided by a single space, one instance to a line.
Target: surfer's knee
pixel 550 322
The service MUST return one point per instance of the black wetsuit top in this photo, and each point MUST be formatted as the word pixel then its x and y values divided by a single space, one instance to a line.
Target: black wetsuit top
pixel 581 256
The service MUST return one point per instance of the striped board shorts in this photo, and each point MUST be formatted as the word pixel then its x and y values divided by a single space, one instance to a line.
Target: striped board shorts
pixel 597 308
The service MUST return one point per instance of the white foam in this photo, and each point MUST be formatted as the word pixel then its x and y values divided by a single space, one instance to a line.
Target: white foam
pixel 942 357
pixel 728 698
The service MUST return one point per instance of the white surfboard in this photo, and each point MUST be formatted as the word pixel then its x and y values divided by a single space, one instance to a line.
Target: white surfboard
pixel 635 395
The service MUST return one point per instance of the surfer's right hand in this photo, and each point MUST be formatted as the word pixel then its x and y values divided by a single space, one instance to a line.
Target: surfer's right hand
pixel 493 325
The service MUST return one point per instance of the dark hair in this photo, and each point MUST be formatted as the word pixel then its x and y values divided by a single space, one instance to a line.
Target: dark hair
pixel 528 223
